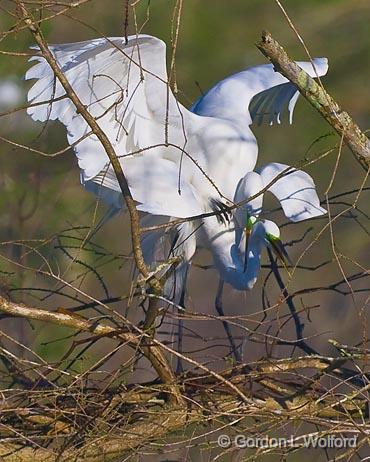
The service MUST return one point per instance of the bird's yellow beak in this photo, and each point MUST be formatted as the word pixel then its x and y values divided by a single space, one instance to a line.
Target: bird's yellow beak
pixel 279 250
pixel 248 231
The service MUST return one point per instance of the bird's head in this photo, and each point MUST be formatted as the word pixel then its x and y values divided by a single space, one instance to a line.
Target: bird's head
pixel 272 240
pixel 250 222
pixel 265 232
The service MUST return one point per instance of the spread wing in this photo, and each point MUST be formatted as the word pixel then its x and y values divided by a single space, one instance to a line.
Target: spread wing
pixel 267 93
pixel 155 185
pixel 124 86
pixel 296 191
pixel 272 104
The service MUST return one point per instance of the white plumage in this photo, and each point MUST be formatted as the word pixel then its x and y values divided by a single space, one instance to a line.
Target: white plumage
pixel 178 162
pixel 237 245
pixel 296 191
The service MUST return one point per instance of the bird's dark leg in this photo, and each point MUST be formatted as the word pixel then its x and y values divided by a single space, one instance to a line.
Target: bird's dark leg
pixel 289 301
pixel 220 311
pixel 180 331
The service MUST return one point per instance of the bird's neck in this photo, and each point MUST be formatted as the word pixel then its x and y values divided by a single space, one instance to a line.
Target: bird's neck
pixel 224 242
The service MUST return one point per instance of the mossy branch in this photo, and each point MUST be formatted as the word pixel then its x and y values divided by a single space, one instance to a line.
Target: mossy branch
pixel 319 98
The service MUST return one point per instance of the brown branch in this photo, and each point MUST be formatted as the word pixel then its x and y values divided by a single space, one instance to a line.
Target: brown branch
pixel 208 402
pixel 155 356
pixel 209 397
pixel 140 340
pixel 103 138
pixel 319 98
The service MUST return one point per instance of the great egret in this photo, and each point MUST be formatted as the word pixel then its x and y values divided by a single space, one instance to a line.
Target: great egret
pixel 238 241
pixel 228 241
pixel 237 244
pixel 124 86
pixel 178 162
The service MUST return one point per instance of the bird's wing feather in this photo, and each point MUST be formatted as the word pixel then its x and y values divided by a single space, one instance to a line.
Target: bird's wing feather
pixel 296 191
pixel 124 86
pixel 184 246
pixel 151 241
pixel 161 244
pixel 154 184
pixel 267 94
pixel 271 104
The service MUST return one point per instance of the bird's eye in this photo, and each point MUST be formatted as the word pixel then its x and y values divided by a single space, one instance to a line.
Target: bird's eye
pixel 251 220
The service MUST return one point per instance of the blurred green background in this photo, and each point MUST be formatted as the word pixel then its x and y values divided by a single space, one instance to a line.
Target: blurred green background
pixel 41 196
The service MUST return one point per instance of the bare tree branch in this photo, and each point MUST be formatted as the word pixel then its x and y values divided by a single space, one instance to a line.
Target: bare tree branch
pixel 320 99
pixel 103 138
pixel 152 352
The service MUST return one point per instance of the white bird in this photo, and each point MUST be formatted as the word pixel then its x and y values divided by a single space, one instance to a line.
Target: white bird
pixel 178 162
pixel 237 244
pixel 229 241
